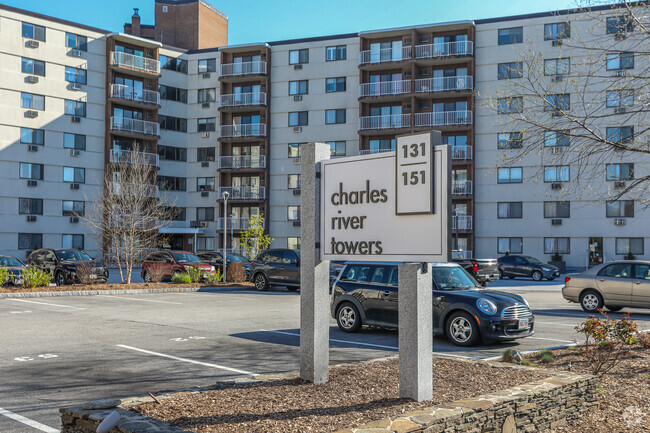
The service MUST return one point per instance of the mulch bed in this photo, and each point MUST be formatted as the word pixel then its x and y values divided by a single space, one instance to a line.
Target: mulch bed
pixel 355 395
pixel 115 286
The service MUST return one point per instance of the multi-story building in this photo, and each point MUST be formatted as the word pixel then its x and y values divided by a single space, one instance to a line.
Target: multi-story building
pixel 224 125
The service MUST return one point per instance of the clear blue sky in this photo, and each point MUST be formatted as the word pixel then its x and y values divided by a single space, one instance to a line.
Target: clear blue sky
pixel 271 20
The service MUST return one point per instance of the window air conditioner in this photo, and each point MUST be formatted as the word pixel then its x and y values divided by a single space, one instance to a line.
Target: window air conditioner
pixel 621 73
pixel 75 152
pixel 557 43
pixel 206 75
pixel 75 53
pixel 556 113
pixel 32 148
pixel 297 98
pixel 203 224
pixel 31 113
pixel 31 218
pixel 296 192
pixel 556 185
pixel 619 184
pixel 619 222
pixel 32 183
pixel 76 119
pixel 556 150
pixel 297 67
pixel 33 44
pixel 74 220
pixel 75 86
pixel 296 223
pixel 74 186
pixel 296 161
pixel 297 129
pixel 205 134
pixel 32 79
pixel 556 222
pixel 205 105
pixel 620 36
pixel 205 164
pixel 205 193
pixel 557 78
pixel 620 110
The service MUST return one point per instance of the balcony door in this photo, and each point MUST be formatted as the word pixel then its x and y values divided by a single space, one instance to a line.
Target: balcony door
pixel 246 156
pixel 386 84
pixel 126 113
pixel 387 117
pixel 386 51
pixel 450 79
pixel 246 95
pixel 133 89
pixel 243 64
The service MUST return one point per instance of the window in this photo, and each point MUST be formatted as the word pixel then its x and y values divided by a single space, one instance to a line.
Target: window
pixel 509 175
pixel 510 70
pixel 30 241
pixel 293 243
pixel 630 245
pixel 509 209
pixel 510 245
pixel 335 116
pixel 74 174
pixel 205 154
pixel 174 213
pixel 74 141
pixel 205 184
pixel 172 153
pixel 75 108
pixel 293 181
pixel 207 124
pixel 31 171
pixel 205 214
pixel 171 183
pixel 72 241
pixel 620 135
pixel 207 65
pixel 337 148
pixel 206 95
pixel 382 145
pixel 178 65
pixel 298 56
pixel 31 101
pixel 32 31
pixel 32 206
pixel 32 136
pixel 170 93
pixel 205 243
pixel 555 138
pixel 557 173
pixel 76 42
pixel 620 98
pixel 294 150
pixel 555 31
pixel 557 66
pixel 557 246
pixel 557 209
pixel 510 140
pixel 298 118
pixel 514 35
pixel 75 75
pixel 336 84
pixel 620 24
pixel 73 208
pixel 557 102
pixel 34 67
pixel 619 270
pixel 618 61
pixel 171 123
pixel 293 213
pixel 338 52
pixel 620 209
pixel 511 105
pixel 298 87
pixel 619 172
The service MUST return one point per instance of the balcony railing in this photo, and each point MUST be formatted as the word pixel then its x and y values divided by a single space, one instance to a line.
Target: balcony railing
pixel 236 223
pixel 134 125
pixel 385 88
pixel 131 61
pixel 444 118
pixel 444 49
pixel 444 84
pixel 243 99
pixel 243 192
pixel 243 161
pixel 135 189
pixel 385 122
pixel 385 55
pixel 132 94
pixel 461 222
pixel 119 156
pixel 246 130
pixel 462 153
pixel 371 151
pixel 461 187
pixel 461 254
pixel 245 68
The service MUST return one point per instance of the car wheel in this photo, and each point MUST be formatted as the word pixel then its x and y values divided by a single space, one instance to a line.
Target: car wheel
pixel 462 330
pixel 501 274
pixel 59 279
pixel 261 282
pixel 147 277
pixel 613 309
pixel 536 276
pixel 348 317
pixel 591 301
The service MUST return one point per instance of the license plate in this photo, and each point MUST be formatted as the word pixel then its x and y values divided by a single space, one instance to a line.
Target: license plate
pixel 524 323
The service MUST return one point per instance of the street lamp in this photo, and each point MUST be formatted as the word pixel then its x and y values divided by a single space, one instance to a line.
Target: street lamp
pixel 225 196
pixel 232 232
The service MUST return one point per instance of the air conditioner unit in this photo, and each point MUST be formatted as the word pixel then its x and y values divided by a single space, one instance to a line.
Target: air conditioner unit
pixel 556 113
pixel 75 152
pixel 557 43
pixel 195 224
pixel 621 73
pixel 75 86
pixel 297 67
pixel 296 192
pixel 556 222
pixel 32 148
pixel 619 222
pixel 206 75
pixel 619 184
pixel 205 134
pixel 557 78
pixel 33 44
pixel 31 113
pixel 296 161
pixel 76 119
pixel 205 164
pixel 75 53
pixel 32 183
pixel 203 224
pixel 297 98
pixel 31 218
pixel 556 185
pixel 556 150
pixel 205 105
pixel 296 223
pixel 620 110
pixel 74 186
pixel 32 79
pixel 205 193
pixel 620 36
pixel 297 129
pixel 74 220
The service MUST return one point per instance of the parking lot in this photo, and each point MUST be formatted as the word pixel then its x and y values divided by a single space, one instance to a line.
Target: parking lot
pixel 61 351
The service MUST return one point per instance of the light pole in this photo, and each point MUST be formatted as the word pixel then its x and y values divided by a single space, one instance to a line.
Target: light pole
pixel 232 232
pixel 225 196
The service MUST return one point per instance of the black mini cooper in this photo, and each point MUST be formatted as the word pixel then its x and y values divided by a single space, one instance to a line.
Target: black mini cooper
pixel 463 311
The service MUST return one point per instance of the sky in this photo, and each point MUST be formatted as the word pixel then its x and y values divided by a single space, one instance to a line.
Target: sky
pixel 273 20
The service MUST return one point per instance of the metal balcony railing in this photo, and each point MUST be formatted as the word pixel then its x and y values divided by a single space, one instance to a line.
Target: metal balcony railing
pixel 132 94
pixel 462 153
pixel 245 68
pixel 134 125
pixel 461 222
pixel 119 156
pixel 461 187
pixel 385 88
pixel 243 99
pixel 371 151
pixel 444 118
pixel 385 55
pixel 131 61
pixel 385 122
pixel 243 192
pixel 236 223
pixel 135 189
pixel 444 84
pixel 444 49
pixel 242 161
pixel 246 130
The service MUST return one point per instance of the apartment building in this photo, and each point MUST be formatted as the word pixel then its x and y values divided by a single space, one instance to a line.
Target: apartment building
pixel 224 125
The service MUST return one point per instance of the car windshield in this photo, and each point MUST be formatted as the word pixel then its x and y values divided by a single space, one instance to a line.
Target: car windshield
pixel 186 258
pixel 533 260
pixel 232 257
pixel 453 278
pixel 71 256
pixel 10 261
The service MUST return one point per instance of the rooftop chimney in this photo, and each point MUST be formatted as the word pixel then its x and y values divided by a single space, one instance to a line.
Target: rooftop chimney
pixel 135 23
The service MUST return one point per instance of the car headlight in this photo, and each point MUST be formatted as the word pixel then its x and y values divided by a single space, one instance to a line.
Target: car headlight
pixel 486 306
pixel 212 269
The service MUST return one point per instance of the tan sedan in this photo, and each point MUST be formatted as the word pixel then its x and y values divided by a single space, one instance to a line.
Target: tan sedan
pixel 614 285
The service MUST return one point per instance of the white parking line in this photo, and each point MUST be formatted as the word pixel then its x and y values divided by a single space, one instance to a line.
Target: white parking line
pixel 46 303
pixel 139 299
pixel 27 421
pixel 191 361
pixel 554 324
pixel 553 339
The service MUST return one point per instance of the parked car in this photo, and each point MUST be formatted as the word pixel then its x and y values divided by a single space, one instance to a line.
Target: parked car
pixel 62 264
pixel 15 269
pixel 463 311
pixel 526 266
pixel 614 285
pixel 276 267
pixel 172 262
pixel 215 259
pixel 483 270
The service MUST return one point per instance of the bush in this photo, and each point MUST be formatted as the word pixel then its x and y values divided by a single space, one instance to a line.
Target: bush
pixel 643 339
pixel 214 277
pixel 630 256
pixel 156 272
pixel 181 278
pixel 546 357
pixel 194 273
pixel 34 277
pixel 236 273
pixel 4 276
pixel 85 272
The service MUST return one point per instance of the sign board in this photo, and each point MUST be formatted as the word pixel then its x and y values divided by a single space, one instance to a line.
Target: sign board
pixel 414 185
pixel 359 206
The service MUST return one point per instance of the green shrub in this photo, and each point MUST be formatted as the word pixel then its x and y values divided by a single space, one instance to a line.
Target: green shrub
pixel 180 278
pixel 194 273
pixel 214 277
pixel 34 277
pixel 547 357
pixel 4 276
pixel 507 356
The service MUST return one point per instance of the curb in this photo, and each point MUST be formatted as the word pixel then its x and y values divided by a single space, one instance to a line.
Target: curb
pixel 119 292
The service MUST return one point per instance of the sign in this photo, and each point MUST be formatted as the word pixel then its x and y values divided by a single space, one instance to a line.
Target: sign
pixel 359 206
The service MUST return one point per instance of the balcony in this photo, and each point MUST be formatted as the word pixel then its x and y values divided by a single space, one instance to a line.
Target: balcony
pixel 119 156
pixel 385 88
pixel 133 95
pixel 443 118
pixel 373 151
pixel 238 70
pixel 394 121
pixel 236 224
pixel 242 130
pixel 385 55
pixel 138 64
pixel 444 50
pixel 242 100
pixel 134 126
pixel 461 222
pixel 444 84
pixel 252 193
pixel 461 153
pixel 242 162
pixel 137 190
pixel 461 187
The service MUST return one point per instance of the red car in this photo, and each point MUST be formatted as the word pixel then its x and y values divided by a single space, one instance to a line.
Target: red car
pixel 172 262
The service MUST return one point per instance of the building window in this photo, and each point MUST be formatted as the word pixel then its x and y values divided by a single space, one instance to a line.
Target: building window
pixel 510 140
pixel 205 183
pixel 33 67
pixel 557 209
pixel 294 150
pixel 293 181
pixel 174 213
pixel 75 75
pixel 32 136
pixel 555 138
pixel 293 213
pixel 32 31
pixel 76 42
pixel 205 214
pixel 625 246
pixel 620 25
pixel 511 209
pixel 557 66
pixel 555 31
pixel 172 153
pixel 509 175
pixel 74 174
pixel 335 116
pixel 207 124
pixel 170 123
pixel 298 87
pixel 31 206
pixel 510 245
pixel 510 70
pixel 557 246
pixel 170 93
pixel 298 56
pixel 31 171
pixel 338 52
pixel 619 172
pixel 206 95
pixel 73 208
pixel 205 243
pixel 31 101
pixel 293 243
pixel 336 84
pixel 620 98
pixel 513 35
pixel 171 183
pixel 72 241
pixel 557 173
pixel 620 135
pixel 298 118
pixel 207 65
pixel 74 141
pixel 205 154
pixel 618 61
pixel 169 63
pixel 382 145
pixel 620 209
pixel 30 241
pixel 75 108
pixel 557 102
pixel 511 105
pixel 337 148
